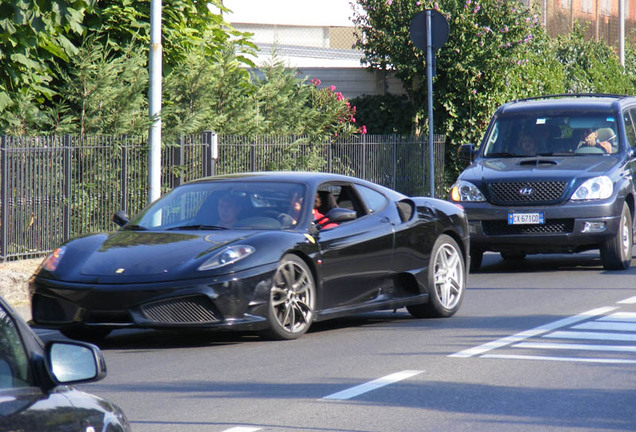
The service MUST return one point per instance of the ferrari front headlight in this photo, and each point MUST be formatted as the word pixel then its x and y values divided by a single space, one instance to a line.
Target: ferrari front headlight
pixel 51 262
pixel 227 255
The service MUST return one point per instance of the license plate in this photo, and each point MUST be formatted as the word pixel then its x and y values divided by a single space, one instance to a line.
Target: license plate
pixel 525 219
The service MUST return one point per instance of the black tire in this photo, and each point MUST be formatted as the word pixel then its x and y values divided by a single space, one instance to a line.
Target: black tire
pixel 87 334
pixel 476 257
pixel 616 253
pixel 292 300
pixel 446 281
pixel 512 256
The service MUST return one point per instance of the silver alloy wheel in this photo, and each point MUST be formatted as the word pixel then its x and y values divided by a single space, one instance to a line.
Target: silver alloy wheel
pixel 625 237
pixel 449 276
pixel 292 298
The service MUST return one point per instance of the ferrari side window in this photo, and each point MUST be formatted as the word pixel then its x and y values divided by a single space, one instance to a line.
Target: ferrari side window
pixel 374 200
pixel 13 358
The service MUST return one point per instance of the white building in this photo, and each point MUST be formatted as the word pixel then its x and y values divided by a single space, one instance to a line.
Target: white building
pixel 314 36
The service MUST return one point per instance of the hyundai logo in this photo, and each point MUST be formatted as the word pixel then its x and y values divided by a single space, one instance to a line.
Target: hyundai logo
pixel 526 191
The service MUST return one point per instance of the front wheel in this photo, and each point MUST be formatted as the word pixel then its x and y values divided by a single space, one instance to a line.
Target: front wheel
pixel 292 300
pixel 446 281
pixel 616 253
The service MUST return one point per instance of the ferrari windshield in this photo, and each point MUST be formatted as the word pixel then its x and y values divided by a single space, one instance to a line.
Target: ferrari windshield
pixel 225 205
pixel 548 134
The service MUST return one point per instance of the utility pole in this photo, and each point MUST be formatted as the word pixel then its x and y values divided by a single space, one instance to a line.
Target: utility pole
pixel 154 100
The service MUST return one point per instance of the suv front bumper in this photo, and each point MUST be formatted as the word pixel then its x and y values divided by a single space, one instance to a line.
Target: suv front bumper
pixel 569 227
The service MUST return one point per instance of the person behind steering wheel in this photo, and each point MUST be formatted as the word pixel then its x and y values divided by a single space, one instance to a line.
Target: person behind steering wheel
pixel 590 138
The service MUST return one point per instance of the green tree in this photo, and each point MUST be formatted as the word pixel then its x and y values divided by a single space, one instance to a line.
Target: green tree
pixel 591 66
pixel 34 35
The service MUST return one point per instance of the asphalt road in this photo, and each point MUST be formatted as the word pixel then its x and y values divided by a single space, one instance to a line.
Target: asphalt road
pixel 547 343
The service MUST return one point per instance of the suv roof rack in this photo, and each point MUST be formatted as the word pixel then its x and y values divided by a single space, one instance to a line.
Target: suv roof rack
pixel 574 95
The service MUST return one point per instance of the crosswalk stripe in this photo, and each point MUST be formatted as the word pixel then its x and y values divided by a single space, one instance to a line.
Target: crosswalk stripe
pixel 611 326
pixel 561 359
pixel 508 340
pixel 591 336
pixel 576 347
pixel 619 317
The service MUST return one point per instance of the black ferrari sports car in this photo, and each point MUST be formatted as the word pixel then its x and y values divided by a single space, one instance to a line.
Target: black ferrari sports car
pixel 269 252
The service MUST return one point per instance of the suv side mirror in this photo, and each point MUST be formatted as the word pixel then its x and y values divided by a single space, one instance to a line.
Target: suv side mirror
pixel 467 153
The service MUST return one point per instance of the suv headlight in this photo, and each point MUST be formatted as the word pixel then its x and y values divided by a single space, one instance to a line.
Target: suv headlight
pixel 464 191
pixel 594 188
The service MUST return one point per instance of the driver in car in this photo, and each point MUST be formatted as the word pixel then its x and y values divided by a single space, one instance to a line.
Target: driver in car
pixel 589 137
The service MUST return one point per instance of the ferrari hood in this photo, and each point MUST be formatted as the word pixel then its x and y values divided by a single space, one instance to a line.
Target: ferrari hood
pixel 131 253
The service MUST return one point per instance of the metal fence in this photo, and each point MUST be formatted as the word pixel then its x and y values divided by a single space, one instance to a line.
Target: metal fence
pixel 55 188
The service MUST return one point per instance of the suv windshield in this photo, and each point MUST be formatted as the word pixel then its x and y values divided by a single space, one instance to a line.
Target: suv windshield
pixel 546 134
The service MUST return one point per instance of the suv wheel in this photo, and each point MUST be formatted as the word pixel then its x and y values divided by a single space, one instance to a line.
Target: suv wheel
pixel 616 253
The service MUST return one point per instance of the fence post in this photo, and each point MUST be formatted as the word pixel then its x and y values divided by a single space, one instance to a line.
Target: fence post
pixel 4 196
pixel 177 159
pixel 253 154
pixel 364 156
pixel 124 175
pixel 329 156
pixel 66 144
pixel 395 162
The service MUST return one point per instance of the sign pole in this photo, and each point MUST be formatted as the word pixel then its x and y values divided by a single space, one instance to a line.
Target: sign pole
pixel 429 83
pixel 154 101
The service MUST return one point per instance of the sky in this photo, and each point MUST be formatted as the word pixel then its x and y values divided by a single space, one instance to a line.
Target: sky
pixel 294 12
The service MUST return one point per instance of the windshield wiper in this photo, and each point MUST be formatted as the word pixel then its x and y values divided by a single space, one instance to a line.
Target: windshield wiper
pixel 196 227
pixel 504 155
pixel 135 227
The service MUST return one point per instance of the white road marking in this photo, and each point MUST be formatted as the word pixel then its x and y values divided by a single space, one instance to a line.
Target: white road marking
pixel 631 300
pixel 372 385
pixel 592 336
pixel 611 326
pixel 242 429
pixel 508 340
pixel 577 347
pixel 620 317
pixel 561 359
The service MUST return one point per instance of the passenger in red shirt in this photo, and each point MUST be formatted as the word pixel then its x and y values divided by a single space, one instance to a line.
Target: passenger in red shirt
pixel 324 223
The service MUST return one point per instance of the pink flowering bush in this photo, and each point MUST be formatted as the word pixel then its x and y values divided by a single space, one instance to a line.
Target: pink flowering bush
pixel 333 112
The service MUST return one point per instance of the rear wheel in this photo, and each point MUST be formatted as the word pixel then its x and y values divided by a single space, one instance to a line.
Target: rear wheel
pixel 616 253
pixel 292 300
pixel 446 281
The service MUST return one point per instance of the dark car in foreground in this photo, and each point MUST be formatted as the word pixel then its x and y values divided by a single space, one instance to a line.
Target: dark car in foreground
pixel 184 263
pixel 553 174
pixel 35 383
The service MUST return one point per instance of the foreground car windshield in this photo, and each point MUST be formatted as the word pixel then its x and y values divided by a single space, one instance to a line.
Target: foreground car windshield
pixel 224 205
pixel 543 134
